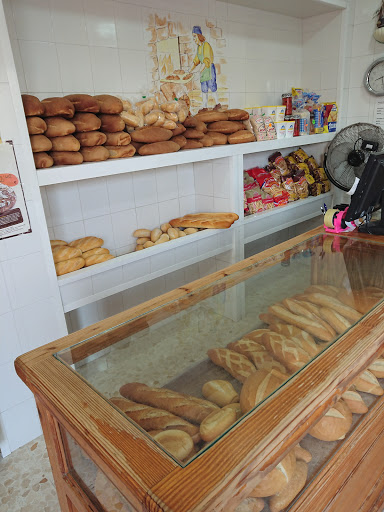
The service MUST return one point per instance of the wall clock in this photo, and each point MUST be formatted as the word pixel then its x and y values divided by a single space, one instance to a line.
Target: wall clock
pixel 374 78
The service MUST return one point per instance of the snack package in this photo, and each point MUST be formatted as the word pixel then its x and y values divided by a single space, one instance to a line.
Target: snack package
pixel 311 162
pixel 318 118
pixel 322 174
pixel 290 187
pixel 301 186
pixel 270 127
pixel 281 199
pixel 268 203
pixel 300 155
pixel 326 184
pixel 258 126
pixel 278 161
pixel 330 117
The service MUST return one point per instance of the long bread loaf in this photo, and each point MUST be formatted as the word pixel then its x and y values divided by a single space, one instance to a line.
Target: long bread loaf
pixel 205 220
pixel 303 308
pixel 337 321
pixel 377 368
pixel 257 353
pixel 289 352
pixel 188 407
pixel 331 302
pixel 150 418
pixel 292 331
pixel 234 363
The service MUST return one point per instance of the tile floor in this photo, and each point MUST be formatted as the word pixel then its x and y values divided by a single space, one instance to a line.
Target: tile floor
pixel 26 481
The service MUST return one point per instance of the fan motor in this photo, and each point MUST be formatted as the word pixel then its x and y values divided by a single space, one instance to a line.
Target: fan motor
pixel 356 158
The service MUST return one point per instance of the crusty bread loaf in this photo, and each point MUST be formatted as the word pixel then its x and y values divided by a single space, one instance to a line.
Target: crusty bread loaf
pixel 40 143
pixel 277 478
pixel 210 116
pixel 302 454
pixel 207 141
pixel 36 125
pixel 258 386
pixel 32 105
pixel 255 335
pixel 323 288
pixel 377 368
pixel 354 401
pixel 42 160
pixel 177 442
pixel 205 220
pixel 57 243
pixel 237 114
pixel 269 319
pixel 283 498
pixel 150 134
pixel 96 250
pixel 334 424
pixel 288 351
pixel 188 407
pixel 65 252
pixel 67 157
pixel 225 127
pixel 193 133
pixel 235 407
pixel 337 321
pixel 87 243
pixel 83 103
pixel 117 139
pixel 302 322
pixel 193 144
pixel 219 139
pixel 193 122
pixel 257 353
pixel 292 331
pixel 121 151
pixel 86 122
pixel 64 267
pixel 309 310
pixel 251 505
pixel 94 153
pixel 65 143
pixel 150 418
pixel 216 423
pixel 109 104
pixel 331 302
pixel 241 137
pixel 157 148
pixel 220 392
pixel 57 106
pixel 111 123
pixel 97 258
pixel 179 139
pixel 367 383
pixel 179 130
pixel 234 363
pixel 94 138
pixel 58 127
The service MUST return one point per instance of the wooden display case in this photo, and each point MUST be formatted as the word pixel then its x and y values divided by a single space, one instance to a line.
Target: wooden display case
pixel 103 461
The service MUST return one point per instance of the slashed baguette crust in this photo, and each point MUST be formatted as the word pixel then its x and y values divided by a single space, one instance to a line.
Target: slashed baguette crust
pixel 234 363
pixel 257 353
pixel 205 220
pixel 331 302
pixel 287 351
pixel 188 407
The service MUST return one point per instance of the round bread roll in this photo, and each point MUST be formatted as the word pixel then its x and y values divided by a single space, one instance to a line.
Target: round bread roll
pixel 180 140
pixel 334 424
pixel 118 139
pixel 211 116
pixel 251 505
pixel 42 160
pixel 225 126
pixel 121 151
pixel 235 407
pixel 207 141
pixel 96 250
pixel 172 116
pixel 130 119
pixel 67 157
pixel 58 107
pixel 83 103
pixel 220 392
pixel 64 267
pixel 377 368
pixel 98 258
pixel 88 139
pixel 367 383
pixel 65 143
pixel 32 105
pixel 85 122
pixel 241 137
pixel 177 442
pixel 36 125
pixel 192 133
pixel 283 498
pixel 40 143
pixel 65 252
pixel 139 233
pixel 193 144
pixel 218 138
pixel 109 104
pixel 94 154
pixel 237 114
pixel 354 401
pixel 111 123
pixel 179 129
pixel 258 386
pixel 277 479
pixel 157 148
pixel 150 134
pixel 216 423
pixel 58 127
pixel 170 106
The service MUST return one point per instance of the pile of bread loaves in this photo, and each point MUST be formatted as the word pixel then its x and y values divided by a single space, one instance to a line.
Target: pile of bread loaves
pixel 80 253
pixel 182 226
pixel 257 365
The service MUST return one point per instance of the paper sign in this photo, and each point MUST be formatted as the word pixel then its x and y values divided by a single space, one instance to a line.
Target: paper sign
pixel 379 113
pixel 14 219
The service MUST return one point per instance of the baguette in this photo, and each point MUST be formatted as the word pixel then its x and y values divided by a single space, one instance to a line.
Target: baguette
pixel 64 267
pixel 186 406
pixel 234 363
pixel 257 353
pixel 331 302
pixel 291 330
pixel 259 386
pixel 354 401
pixel 377 368
pixel 269 319
pixel 150 418
pixel 303 308
pixel 337 321
pixel 287 351
pixel 87 243
pixel 277 479
pixel 255 335
pixel 97 258
pixel 327 289
pixel 302 322
pixel 282 499
pixel 62 253
pixel 205 220
pixel 367 383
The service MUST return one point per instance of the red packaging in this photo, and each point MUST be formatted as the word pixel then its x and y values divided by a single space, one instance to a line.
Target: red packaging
pixel 287 101
pixel 296 130
pixel 268 203
pixel 281 199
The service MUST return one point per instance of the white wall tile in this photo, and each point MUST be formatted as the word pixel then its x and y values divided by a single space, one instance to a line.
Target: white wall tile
pixel 235 70
pixel 38 323
pixel 17 391
pixel 136 269
pixel 3 70
pixel 168 210
pixel 162 260
pixel 364 10
pixel 166 181
pixel 5 305
pixel 144 187
pixel 207 244
pixel 359 102
pixel 221 204
pixel 148 216
pixel 124 224
pixel 94 198
pixel 155 288
pixel 359 66
pixel 203 178
pixel 64 203
pixel 186 252
pixel 107 279
pixel 101 227
pixel 129 27
pixel 136 81
pixel 69 232
pixel 32 20
pixel 105 69
pixel 37 58
pixel 9 129
pixel 120 192
pixel 187 204
pixel 21 423
pixel 72 292
pixel 69 14
pixel 9 345
pixel 75 68
pixel 100 23
pixel 204 203
pixel 363 42
pixel 185 179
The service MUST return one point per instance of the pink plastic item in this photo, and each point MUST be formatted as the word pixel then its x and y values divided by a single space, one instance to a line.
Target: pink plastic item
pixel 351 226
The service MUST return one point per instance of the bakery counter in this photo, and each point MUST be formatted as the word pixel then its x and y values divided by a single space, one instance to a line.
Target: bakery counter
pixel 217 382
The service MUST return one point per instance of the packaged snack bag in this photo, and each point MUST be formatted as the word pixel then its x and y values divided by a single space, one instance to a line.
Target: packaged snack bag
pixel 330 117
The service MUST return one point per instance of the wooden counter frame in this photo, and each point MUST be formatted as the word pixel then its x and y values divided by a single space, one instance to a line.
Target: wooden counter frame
pixel 222 476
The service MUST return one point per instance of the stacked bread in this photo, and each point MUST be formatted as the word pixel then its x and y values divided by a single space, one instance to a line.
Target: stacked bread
pixel 182 226
pixel 79 253
pixel 229 126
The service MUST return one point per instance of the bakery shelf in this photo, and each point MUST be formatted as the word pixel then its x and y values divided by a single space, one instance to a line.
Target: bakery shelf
pixel 64 174
pixel 295 8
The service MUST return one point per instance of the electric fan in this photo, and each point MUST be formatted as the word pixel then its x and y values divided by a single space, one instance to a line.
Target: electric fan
pixel 349 151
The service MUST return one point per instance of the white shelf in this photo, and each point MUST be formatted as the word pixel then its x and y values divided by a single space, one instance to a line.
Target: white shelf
pixel 64 174
pixel 295 8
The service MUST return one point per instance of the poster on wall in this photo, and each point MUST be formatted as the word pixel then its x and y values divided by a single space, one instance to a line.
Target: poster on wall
pixel 14 219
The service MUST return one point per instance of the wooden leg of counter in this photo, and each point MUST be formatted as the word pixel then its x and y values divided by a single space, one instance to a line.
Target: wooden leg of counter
pixel 353 479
